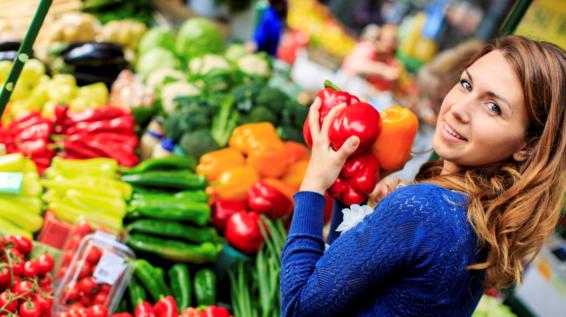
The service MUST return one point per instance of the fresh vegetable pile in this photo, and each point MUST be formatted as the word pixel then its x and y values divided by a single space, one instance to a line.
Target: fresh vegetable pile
pixel 25 283
pixel 169 213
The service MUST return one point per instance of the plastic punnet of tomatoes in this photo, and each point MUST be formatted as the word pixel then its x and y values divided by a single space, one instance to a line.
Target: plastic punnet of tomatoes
pixel 94 278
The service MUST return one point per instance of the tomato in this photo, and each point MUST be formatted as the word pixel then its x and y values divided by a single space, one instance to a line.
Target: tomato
pixel 84 299
pixel 44 303
pixel 46 280
pixel 18 266
pixel 87 285
pixel 105 288
pixel 93 255
pixel 73 243
pixel 83 229
pixel 101 298
pixel 78 311
pixel 61 273
pixel 6 297
pixel 68 256
pixel 30 269
pixel 23 244
pixel 9 242
pixel 86 269
pixel 24 288
pixel 98 311
pixel 4 276
pixel 45 263
pixel 30 308
pixel 71 292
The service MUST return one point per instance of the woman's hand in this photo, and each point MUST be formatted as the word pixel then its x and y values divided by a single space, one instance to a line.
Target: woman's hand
pixel 325 163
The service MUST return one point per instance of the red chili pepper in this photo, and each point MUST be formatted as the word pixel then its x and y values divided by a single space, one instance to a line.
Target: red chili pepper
pixel 36 148
pixel 144 309
pixel 25 122
pixel 356 180
pixel 166 307
pixel 131 140
pixel 223 209
pixel 41 130
pixel 123 124
pixel 216 311
pixel 266 199
pixel 330 97
pixel 95 114
pixel 122 315
pixel 80 148
pixel 242 231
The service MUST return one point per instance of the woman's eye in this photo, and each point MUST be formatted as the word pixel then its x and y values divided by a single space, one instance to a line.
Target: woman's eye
pixel 493 108
pixel 465 84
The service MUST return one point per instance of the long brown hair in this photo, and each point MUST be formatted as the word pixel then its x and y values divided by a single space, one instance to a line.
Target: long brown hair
pixel 514 206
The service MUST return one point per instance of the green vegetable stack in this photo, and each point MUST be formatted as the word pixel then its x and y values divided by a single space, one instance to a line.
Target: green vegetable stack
pixel 88 190
pixel 169 214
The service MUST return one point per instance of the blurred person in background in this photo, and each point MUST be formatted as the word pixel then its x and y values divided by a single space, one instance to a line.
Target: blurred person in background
pixel 269 29
pixel 373 58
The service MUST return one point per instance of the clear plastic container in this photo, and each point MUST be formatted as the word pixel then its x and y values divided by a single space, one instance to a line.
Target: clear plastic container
pixel 96 276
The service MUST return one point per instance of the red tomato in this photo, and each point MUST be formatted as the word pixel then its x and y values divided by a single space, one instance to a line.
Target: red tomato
pixel 43 302
pixel 78 311
pixel 83 229
pixel 84 299
pixel 9 242
pixel 18 266
pixel 87 285
pixel 98 311
pixel 71 292
pixel 93 255
pixel 4 277
pixel 45 263
pixel 73 243
pixel 46 280
pixel 86 269
pixel 30 269
pixel 6 297
pixel 30 308
pixel 61 273
pixel 23 244
pixel 101 298
pixel 24 288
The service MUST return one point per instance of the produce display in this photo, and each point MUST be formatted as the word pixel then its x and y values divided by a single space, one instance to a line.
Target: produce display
pixel 161 164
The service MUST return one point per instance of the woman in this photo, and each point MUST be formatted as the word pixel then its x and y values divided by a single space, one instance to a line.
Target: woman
pixel 429 249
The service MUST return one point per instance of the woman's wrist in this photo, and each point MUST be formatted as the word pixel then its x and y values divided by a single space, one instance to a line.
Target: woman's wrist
pixel 312 187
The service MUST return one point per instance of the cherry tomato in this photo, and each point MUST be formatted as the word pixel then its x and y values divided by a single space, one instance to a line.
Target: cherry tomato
pixel 4 276
pixel 43 302
pixel 30 269
pixel 46 280
pixel 23 244
pixel 18 266
pixel 9 242
pixel 87 285
pixel 45 263
pixel 74 242
pixel 93 255
pixel 101 298
pixel 68 256
pixel 30 308
pixel 85 299
pixel 6 297
pixel 98 311
pixel 24 288
pixel 71 292
pixel 105 288
pixel 61 273
pixel 83 229
pixel 86 269
pixel 78 311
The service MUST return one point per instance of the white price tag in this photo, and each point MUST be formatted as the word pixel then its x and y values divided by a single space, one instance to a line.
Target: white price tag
pixel 109 268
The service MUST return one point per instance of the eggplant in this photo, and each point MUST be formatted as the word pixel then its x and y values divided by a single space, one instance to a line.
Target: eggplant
pixel 93 54
pixel 9 50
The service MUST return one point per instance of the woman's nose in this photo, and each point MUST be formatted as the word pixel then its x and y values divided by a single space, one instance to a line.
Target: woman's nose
pixel 461 109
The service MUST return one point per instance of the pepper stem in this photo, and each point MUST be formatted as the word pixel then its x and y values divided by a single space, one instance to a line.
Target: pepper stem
pixel 331 85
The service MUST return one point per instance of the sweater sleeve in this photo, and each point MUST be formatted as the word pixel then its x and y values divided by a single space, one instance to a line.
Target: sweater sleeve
pixel 337 218
pixel 318 283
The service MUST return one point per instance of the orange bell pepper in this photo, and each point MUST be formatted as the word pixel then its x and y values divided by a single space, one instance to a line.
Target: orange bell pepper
pixel 269 159
pixel 249 136
pixel 234 183
pixel 393 145
pixel 295 174
pixel 214 163
pixel 296 152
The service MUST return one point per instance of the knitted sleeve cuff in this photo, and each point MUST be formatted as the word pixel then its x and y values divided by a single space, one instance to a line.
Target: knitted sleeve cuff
pixel 307 218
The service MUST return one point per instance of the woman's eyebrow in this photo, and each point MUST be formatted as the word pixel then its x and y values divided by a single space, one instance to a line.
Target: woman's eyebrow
pixel 491 93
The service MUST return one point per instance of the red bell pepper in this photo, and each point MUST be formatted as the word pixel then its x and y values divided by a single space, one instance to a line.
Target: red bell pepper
pixel 216 311
pixel 359 119
pixel 243 232
pixel 166 307
pixel 266 199
pixel 144 309
pixel 223 209
pixel 356 180
pixel 330 97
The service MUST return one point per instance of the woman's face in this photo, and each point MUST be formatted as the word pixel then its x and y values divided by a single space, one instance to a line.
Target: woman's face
pixel 483 118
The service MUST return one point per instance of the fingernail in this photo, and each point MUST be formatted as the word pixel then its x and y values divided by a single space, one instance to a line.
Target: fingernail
pixel 355 141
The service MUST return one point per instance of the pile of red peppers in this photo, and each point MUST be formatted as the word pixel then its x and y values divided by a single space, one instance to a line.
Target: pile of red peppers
pixel 30 135
pixel 361 171
pixel 98 132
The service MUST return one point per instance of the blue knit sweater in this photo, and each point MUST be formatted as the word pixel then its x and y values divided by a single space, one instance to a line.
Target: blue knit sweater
pixel 407 258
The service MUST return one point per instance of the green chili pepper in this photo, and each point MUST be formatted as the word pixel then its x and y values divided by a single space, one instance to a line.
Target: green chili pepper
pixel 180 280
pixel 193 195
pixel 161 280
pixel 167 179
pixel 136 292
pixel 175 250
pixel 164 163
pixel 205 287
pixel 173 230
pixel 122 306
pixel 145 272
pixel 163 207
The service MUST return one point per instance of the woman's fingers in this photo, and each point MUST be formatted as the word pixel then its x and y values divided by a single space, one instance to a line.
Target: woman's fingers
pixel 348 148
pixel 314 114
pixel 330 118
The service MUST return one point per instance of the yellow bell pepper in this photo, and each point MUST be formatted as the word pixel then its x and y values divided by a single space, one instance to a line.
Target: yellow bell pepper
pixel 214 163
pixel 234 183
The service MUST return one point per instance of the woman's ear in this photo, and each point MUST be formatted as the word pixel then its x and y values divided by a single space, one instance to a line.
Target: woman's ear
pixel 525 151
